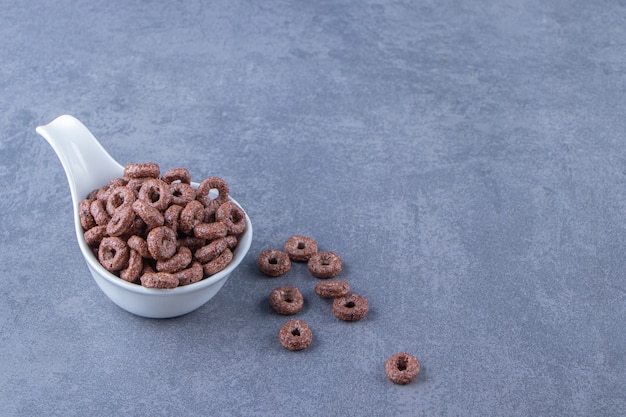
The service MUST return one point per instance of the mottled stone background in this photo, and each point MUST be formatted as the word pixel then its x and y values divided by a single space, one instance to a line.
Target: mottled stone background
pixel 467 159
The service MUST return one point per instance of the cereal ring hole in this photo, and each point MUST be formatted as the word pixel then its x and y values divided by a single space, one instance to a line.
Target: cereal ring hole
pixel 295 332
pixel 272 261
pixel 402 364
pixel 350 304
pixel 153 195
pixel 301 245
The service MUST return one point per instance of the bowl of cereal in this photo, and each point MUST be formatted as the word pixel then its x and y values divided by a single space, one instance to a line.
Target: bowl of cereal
pixel 157 244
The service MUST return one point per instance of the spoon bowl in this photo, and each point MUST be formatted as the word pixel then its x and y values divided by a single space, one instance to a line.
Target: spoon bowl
pixel 89 166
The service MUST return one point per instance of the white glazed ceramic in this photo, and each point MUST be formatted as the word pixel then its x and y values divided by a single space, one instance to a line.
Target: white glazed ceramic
pixel 89 166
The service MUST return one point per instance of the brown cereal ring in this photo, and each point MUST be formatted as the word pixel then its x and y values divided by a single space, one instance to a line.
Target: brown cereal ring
pixel 135 264
pixel 162 280
pixel 181 193
pixel 402 368
pixel 232 216
pixel 190 275
pixel 148 214
pixel 113 253
pixel 191 215
pixel 286 300
pixel 149 169
pixel 203 193
pixel 94 236
pixel 161 243
pixel 93 194
pixel 218 264
pixel 231 241
pixel 99 212
pixel 121 222
pixel 134 184
pixel 211 251
pixel 351 307
pixel 210 231
pixel 119 196
pixel 140 245
pixel 171 217
pixel 300 248
pixel 325 264
pixel 156 193
pixel 84 213
pixel 332 289
pixel 104 191
pixel 180 260
pixel 273 262
pixel 295 335
pixel 193 243
pixel 177 174
pixel 209 214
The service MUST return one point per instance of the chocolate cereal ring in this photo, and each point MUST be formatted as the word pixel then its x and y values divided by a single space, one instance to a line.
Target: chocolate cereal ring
pixel 191 215
pixel 273 262
pixel 210 231
pixel 159 280
pixel 232 216
pixel 113 253
pixel 149 169
pixel 203 193
pixel 161 243
pixel 181 193
pixel 190 275
pixel 177 174
pixel 300 248
pixel 121 222
pixel 332 289
pixel 135 264
pixel 402 368
pixel 104 191
pixel 150 215
pixel 286 300
pixel 94 236
pixel 119 196
pixel 156 193
pixel 84 214
pixel 180 261
pixel 140 245
pixel 325 264
pixel 218 264
pixel 231 241
pixel 351 307
pixel 211 251
pixel 295 335
pixel 193 243
pixel 99 212
pixel 171 217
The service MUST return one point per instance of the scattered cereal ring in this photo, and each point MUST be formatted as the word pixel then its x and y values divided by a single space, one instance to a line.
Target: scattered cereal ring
pixel 351 307
pixel 203 193
pixel 402 368
pixel 159 280
pixel 210 231
pixel 177 174
pixel 273 262
pixel 286 300
pixel 119 196
pixel 149 169
pixel 84 213
pixel 94 236
pixel 156 193
pixel 218 264
pixel 325 264
pixel 181 193
pixel 191 215
pixel 140 245
pixel 190 275
pixel 300 248
pixel 161 243
pixel 121 222
pixel 135 264
pixel 332 289
pixel 113 253
pixel 179 261
pixel 148 214
pixel 295 335
pixel 232 216
pixel 99 212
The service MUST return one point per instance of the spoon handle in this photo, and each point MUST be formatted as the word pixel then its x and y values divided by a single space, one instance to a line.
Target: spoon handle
pixel 86 163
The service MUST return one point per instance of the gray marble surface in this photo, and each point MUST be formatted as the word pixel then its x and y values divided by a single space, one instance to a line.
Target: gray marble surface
pixel 467 159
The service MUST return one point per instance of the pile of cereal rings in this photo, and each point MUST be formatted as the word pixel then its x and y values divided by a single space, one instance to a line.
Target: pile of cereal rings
pixel 157 230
